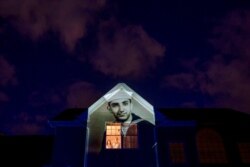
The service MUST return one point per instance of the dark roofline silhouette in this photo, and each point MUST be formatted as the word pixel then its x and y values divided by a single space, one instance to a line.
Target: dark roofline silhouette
pixel 217 115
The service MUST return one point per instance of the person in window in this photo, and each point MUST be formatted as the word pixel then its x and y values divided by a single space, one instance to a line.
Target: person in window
pixel 116 144
pixel 136 136
pixel 109 144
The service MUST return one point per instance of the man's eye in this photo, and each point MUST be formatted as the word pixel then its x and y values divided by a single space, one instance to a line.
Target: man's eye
pixel 125 103
pixel 114 105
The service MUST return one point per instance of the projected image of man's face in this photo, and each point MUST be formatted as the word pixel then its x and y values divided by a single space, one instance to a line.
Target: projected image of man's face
pixel 121 109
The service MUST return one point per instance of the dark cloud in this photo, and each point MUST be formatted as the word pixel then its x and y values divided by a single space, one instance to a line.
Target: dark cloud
pixel 189 104
pixel 42 103
pixel 25 129
pixel 232 36
pixel 34 118
pixel 7 73
pixel 181 81
pixel 125 51
pixel 121 51
pixel 230 83
pixel 26 124
pixel 230 71
pixel 3 97
pixel 68 18
pixel 7 77
pixel 43 98
pixel 226 76
pixel 82 94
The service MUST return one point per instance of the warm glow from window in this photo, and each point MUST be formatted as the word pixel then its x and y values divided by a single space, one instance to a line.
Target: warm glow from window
pixel 210 147
pixel 177 154
pixel 120 136
pixel 244 149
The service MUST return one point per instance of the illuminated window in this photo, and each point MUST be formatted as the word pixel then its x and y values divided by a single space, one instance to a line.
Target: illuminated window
pixel 113 135
pixel 177 154
pixel 120 136
pixel 210 147
pixel 244 149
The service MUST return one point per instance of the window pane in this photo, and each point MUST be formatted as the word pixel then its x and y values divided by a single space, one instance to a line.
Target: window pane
pixel 244 149
pixel 113 142
pixel 130 142
pixel 117 140
pixel 210 147
pixel 177 154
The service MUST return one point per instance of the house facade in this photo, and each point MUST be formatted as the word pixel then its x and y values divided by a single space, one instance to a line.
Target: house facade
pixel 157 137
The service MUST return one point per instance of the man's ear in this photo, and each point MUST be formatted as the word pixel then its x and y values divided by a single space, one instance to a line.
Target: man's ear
pixel 108 107
pixel 131 104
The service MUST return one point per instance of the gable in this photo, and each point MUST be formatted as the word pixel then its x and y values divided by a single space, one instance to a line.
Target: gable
pixel 141 107
pixel 99 115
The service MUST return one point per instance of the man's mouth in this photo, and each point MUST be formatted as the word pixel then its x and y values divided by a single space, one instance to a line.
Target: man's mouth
pixel 121 115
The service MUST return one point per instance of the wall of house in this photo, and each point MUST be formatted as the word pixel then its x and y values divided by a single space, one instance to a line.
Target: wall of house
pixel 176 146
pixel 69 147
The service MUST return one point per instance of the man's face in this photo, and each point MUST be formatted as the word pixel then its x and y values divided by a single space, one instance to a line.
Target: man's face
pixel 121 108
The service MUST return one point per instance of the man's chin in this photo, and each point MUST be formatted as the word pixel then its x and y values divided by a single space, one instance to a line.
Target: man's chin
pixel 122 119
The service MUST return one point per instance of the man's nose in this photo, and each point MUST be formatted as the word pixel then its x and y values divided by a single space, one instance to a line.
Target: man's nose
pixel 121 108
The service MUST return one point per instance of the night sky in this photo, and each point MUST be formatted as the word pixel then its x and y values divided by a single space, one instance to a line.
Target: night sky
pixel 61 54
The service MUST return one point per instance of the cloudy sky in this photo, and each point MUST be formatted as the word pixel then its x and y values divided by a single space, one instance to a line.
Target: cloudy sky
pixel 60 54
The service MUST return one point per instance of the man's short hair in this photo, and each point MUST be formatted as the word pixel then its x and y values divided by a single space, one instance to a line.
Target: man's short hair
pixel 111 101
pixel 119 94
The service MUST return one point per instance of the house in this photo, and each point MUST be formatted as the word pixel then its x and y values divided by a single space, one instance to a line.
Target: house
pixel 179 137
pixel 182 137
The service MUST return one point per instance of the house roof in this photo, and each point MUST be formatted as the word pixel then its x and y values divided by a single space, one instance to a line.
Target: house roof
pixel 202 115
pixel 69 114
